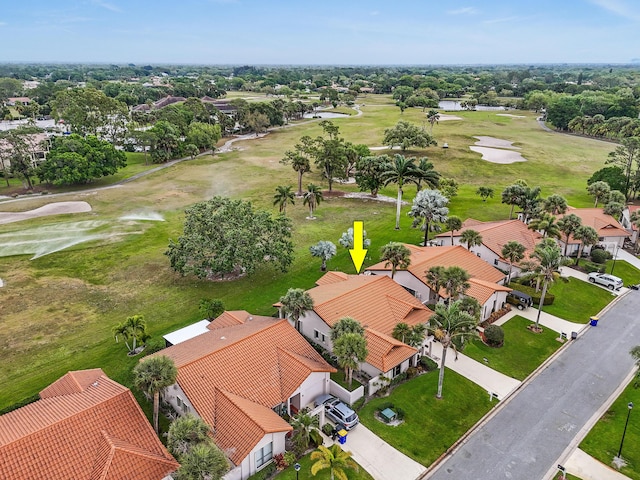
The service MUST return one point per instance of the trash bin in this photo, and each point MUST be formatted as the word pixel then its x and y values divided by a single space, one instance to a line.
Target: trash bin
pixel 593 321
pixel 342 437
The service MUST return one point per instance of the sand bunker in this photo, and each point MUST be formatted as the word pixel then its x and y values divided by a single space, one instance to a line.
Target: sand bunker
pixel 494 142
pixel 496 155
pixel 444 117
pixel 56 208
pixel 384 147
pixel 510 115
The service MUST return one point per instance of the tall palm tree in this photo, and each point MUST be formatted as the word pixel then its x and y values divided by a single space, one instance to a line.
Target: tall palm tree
pixel 512 195
pixel 333 458
pixel 324 250
pixel 312 197
pixel 545 223
pixel 185 432
pixel 401 331
pixel 599 191
pixel 568 225
pixel 433 116
pixel 435 277
pixel 294 304
pixel 399 171
pixel 453 327
pixel 425 173
pixel 452 224
pixel 529 202
pixel 152 375
pixel 635 221
pixel 305 430
pixel 429 206
pixel 456 282
pixel 283 196
pixel 514 252
pixel 396 255
pixel 204 460
pixel 550 258
pixel 555 204
pixel 471 238
pixel 345 325
pixel 587 236
pixel 351 350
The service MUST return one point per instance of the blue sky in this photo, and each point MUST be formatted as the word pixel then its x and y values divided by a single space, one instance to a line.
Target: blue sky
pixel 320 32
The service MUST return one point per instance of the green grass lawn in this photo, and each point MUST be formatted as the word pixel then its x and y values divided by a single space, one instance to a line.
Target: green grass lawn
pixel 523 351
pixel 603 441
pixel 629 274
pixel 339 378
pixel 576 300
pixel 430 425
pixel 305 462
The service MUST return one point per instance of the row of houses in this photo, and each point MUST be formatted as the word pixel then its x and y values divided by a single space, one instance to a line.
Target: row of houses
pixel 242 373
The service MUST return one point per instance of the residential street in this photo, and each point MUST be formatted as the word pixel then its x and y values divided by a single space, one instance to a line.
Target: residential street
pixel 529 434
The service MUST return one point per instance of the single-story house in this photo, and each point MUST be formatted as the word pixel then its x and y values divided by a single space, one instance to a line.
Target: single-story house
pixel 611 233
pixel 38 145
pixel 379 304
pixel 485 282
pixel 240 376
pixel 85 426
pixel 13 101
pixel 495 235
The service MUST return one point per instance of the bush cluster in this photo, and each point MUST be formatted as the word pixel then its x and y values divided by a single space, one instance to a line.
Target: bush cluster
pixel 494 335
pixel 428 364
pixel 549 298
pixel 599 256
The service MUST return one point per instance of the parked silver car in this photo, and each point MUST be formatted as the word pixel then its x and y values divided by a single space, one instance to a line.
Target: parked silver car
pixel 610 281
pixel 337 411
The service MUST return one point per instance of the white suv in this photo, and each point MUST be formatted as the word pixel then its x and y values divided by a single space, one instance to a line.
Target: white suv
pixel 606 280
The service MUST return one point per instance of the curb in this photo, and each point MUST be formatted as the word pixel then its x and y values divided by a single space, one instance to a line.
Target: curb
pixel 431 469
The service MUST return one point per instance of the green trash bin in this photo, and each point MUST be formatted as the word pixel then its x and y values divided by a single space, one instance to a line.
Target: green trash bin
pixel 593 321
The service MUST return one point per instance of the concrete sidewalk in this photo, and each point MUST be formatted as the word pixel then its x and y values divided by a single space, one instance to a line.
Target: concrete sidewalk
pixel 546 320
pixel 381 460
pixel 586 467
pixel 570 272
pixel 480 374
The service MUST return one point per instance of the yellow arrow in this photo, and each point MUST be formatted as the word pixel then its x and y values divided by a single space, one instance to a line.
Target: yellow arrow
pixel 358 252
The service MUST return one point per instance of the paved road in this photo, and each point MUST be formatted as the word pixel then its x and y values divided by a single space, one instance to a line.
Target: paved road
pixel 527 436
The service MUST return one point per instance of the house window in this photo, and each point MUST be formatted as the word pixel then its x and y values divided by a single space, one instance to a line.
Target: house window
pixel 495 261
pixel 316 334
pixel 181 405
pixel 264 455
pixel 323 338
pixel 396 370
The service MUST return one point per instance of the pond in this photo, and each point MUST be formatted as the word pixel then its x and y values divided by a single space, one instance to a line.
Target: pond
pixel 325 115
pixel 455 106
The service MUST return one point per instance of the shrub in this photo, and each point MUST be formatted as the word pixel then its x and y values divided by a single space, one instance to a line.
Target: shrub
pixel 428 364
pixel 357 405
pixel 280 461
pixel 549 298
pixel 399 378
pixel 327 429
pixel 592 267
pixel 599 256
pixel 494 335
pixel 411 372
pixel 289 457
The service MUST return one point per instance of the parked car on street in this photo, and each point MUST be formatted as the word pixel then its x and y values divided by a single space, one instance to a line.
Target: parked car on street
pixel 610 281
pixel 337 411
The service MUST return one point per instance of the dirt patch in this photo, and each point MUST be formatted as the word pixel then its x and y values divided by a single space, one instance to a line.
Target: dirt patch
pixel 56 208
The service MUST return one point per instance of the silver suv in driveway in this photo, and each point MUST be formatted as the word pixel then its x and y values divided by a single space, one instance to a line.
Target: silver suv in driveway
pixel 606 280
pixel 337 411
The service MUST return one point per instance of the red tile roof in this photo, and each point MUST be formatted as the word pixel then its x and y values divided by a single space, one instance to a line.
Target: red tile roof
pixel 604 224
pixel 86 426
pixel 233 376
pixel 496 235
pixel 378 303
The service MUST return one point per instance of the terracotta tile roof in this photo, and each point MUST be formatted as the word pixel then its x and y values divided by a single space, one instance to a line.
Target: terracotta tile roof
pixel 496 235
pixel 375 301
pixel 482 290
pixel 385 352
pixel 604 224
pixel 332 277
pixel 86 426
pixel 233 317
pixel 233 376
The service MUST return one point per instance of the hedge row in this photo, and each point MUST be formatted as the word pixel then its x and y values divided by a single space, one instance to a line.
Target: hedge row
pixel 549 298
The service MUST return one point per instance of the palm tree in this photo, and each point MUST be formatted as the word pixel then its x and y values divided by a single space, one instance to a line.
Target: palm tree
pixel 401 331
pixel 456 281
pixel 587 236
pixel 568 225
pixel 134 328
pixel 283 196
pixel 204 461
pixel 555 204
pixel 400 170
pixel 485 192
pixel 396 255
pixel 545 223
pixel 312 197
pixel 152 375
pixel 635 353
pixel 351 350
pixel 417 335
pixel 185 432
pixel 433 116
pixel 635 221
pixel 333 458
pixel 324 250
pixel 435 277
pixel 514 252
pixel 429 206
pixel 425 173
pixel 453 327
pixel 452 224
pixel 512 195
pixel 346 325
pixel 529 202
pixel 550 258
pixel 599 191
pixel 471 238
pixel 294 304
pixel 300 164
pixel 305 430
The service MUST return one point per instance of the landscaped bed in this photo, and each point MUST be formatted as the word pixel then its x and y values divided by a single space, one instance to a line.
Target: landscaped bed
pixel 339 378
pixel 577 300
pixel 430 425
pixel 603 441
pixel 523 351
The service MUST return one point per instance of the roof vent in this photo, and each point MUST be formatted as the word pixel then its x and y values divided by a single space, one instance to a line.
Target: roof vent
pixel 250 318
pixel 94 384
pixel 223 338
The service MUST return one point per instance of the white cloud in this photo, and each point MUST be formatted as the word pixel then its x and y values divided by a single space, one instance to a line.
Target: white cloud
pixel 107 5
pixel 463 11
pixel 621 8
